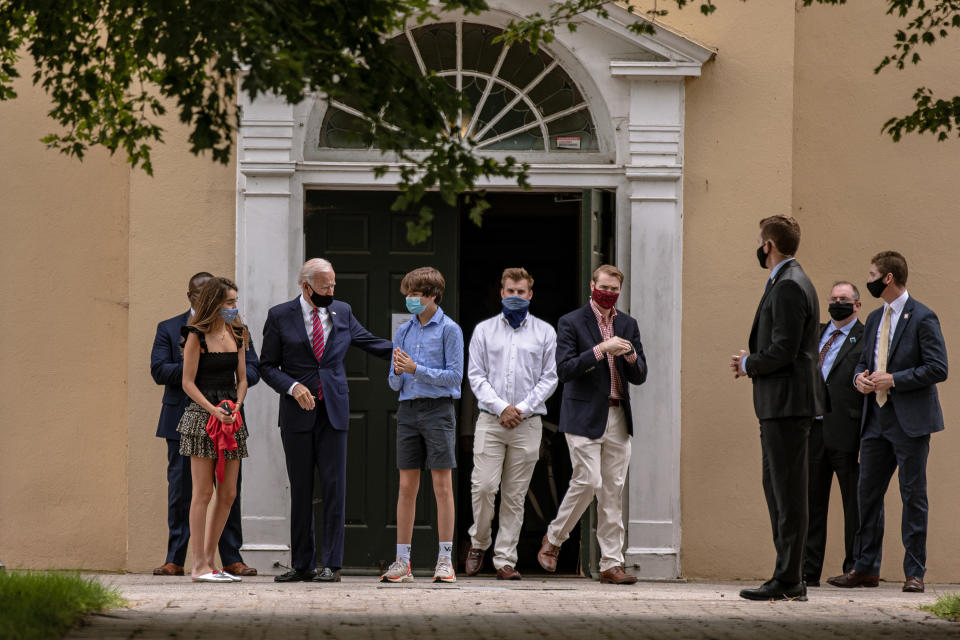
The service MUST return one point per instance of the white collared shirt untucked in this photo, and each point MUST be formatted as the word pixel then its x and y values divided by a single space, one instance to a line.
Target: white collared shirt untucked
pixel 510 366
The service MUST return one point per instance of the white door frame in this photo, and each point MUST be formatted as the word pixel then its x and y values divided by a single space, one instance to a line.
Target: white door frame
pixel 644 100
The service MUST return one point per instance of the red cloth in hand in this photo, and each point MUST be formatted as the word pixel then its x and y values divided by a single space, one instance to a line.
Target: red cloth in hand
pixel 223 436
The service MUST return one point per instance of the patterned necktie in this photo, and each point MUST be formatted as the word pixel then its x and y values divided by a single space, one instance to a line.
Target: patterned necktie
pixel 882 349
pixel 826 347
pixel 318 345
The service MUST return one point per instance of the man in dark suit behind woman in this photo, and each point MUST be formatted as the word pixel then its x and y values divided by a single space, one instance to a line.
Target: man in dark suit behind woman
pixel 166 367
pixel 903 359
pixel 788 393
pixel 835 436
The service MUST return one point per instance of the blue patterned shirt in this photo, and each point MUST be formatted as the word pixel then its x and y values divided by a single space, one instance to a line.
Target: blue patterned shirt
pixel 437 350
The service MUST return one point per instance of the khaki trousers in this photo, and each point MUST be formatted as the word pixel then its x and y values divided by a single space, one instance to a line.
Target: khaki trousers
pixel 503 459
pixel 599 469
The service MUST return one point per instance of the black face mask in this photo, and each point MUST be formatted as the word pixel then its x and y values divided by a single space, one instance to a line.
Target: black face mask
pixel 876 287
pixel 319 300
pixel 840 310
pixel 762 257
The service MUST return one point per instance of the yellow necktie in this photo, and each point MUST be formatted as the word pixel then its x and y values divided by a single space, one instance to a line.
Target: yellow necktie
pixel 882 351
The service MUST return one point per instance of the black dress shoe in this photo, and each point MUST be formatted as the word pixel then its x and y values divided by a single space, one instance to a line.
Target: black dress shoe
pixel 327 575
pixel 776 590
pixel 296 575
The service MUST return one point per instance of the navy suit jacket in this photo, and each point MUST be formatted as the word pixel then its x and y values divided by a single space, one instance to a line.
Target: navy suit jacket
pixel 586 380
pixel 918 361
pixel 287 357
pixel 166 367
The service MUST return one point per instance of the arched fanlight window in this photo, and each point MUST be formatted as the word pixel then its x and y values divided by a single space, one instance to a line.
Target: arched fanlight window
pixel 520 101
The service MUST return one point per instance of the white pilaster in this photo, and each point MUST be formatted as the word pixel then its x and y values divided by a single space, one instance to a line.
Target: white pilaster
pixel 269 250
pixel 655 214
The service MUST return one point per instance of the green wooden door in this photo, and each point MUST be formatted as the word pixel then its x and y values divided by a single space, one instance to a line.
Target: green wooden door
pixel 366 242
pixel 596 248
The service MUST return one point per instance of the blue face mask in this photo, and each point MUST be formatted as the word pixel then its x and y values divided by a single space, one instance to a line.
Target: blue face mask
pixel 414 306
pixel 229 315
pixel 515 309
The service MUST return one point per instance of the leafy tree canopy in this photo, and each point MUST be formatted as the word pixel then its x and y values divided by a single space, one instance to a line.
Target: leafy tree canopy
pixel 111 68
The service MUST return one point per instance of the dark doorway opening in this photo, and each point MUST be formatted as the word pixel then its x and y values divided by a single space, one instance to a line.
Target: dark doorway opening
pixel 559 238
pixel 542 233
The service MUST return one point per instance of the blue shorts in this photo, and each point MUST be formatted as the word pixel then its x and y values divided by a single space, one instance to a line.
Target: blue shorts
pixel 426 434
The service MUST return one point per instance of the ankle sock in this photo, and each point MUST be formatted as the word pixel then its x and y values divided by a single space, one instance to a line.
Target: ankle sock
pixel 446 550
pixel 403 552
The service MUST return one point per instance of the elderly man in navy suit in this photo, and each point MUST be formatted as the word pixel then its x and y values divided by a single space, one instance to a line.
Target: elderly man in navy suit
pixel 304 344
pixel 166 367
pixel 904 357
pixel 598 354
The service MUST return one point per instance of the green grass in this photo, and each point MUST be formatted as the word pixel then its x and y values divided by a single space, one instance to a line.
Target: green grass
pixel 947 606
pixel 38 606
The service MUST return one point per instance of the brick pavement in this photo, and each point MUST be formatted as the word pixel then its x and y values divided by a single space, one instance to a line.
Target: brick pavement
pixel 558 608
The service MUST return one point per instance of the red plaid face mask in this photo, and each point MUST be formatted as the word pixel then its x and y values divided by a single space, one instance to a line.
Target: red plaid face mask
pixel 605 299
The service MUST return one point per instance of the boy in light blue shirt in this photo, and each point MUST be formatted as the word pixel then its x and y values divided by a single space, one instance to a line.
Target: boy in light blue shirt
pixel 427 370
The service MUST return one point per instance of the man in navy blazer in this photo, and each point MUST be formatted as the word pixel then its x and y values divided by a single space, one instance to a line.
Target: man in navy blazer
pixel 304 344
pixel 166 367
pixel 598 354
pixel 904 357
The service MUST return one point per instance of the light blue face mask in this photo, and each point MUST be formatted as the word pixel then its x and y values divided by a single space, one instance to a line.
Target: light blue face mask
pixel 414 306
pixel 229 315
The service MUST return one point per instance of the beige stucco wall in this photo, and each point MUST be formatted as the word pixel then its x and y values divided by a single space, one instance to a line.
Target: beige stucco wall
pixel 182 220
pixel 769 132
pixel 63 346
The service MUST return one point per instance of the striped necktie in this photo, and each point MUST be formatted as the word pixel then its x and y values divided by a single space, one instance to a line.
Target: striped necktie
pixel 318 345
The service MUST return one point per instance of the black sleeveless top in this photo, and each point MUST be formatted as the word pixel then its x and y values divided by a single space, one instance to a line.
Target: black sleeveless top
pixel 216 372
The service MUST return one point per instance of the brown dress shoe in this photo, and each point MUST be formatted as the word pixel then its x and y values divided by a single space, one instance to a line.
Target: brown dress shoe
pixel 240 569
pixel 474 561
pixel 854 579
pixel 506 572
pixel 913 585
pixel 616 575
pixel 547 556
pixel 168 569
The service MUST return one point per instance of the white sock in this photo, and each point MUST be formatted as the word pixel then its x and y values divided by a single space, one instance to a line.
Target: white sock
pixel 403 552
pixel 446 550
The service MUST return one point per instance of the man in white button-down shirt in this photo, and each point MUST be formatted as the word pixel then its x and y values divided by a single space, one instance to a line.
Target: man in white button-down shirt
pixel 512 372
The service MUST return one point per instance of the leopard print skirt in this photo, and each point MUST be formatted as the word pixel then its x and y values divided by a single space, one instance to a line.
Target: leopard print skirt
pixel 194 440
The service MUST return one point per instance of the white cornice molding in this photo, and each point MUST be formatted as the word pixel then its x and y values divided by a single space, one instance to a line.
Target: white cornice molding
pixel 637 68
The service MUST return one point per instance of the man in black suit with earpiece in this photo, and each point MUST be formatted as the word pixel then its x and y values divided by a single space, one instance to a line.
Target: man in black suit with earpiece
pixel 788 393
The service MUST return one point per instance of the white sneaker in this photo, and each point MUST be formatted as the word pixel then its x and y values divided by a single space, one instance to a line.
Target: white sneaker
pixel 444 571
pixel 399 571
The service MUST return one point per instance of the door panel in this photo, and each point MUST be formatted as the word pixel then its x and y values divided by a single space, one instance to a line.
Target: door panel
pixel 347 228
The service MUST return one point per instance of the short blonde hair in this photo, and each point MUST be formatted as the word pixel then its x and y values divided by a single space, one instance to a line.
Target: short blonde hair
pixel 608 269
pixel 516 274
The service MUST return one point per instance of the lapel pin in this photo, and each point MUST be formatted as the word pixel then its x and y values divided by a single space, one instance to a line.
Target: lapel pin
pixel 906 315
pixel 853 340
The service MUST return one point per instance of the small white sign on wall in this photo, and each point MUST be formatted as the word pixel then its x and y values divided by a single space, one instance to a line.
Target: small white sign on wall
pixel 568 142
pixel 396 321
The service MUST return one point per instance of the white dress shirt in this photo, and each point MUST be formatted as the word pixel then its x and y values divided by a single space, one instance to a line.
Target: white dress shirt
pixel 897 306
pixel 307 311
pixel 513 366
